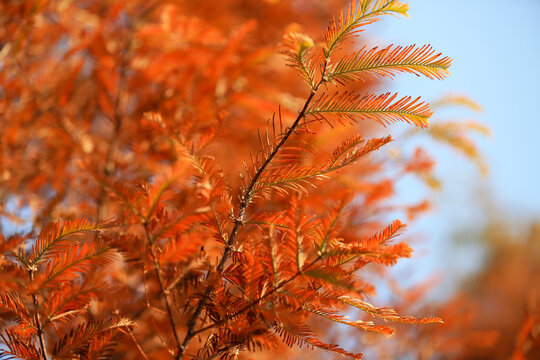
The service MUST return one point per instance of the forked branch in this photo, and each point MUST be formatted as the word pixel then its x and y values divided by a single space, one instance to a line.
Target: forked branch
pixel 258 300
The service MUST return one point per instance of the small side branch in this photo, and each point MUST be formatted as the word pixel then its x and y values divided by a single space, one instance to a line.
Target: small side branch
pixel 43 347
pixel 163 291
pixel 143 354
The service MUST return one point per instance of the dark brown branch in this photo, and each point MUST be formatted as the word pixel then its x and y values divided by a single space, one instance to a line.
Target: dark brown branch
pixel 248 193
pixel 244 203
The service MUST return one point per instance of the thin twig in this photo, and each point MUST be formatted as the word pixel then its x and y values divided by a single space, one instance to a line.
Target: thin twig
pixel 137 345
pixel 38 322
pixel 164 292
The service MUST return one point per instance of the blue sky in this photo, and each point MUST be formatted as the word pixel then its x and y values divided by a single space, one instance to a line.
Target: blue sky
pixel 496 50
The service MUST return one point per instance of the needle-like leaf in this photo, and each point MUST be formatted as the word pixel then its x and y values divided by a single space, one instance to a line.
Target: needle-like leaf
pixel 385 109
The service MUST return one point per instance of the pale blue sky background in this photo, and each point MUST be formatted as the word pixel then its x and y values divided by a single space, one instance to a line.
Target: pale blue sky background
pixel 496 50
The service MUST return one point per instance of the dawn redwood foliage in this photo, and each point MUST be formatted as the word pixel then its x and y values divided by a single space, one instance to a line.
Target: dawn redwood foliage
pixel 189 195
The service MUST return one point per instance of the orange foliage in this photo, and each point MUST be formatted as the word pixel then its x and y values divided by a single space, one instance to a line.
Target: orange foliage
pixel 494 315
pixel 186 196
pixel 504 298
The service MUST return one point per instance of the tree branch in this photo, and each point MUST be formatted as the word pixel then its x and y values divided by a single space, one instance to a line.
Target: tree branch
pixel 244 203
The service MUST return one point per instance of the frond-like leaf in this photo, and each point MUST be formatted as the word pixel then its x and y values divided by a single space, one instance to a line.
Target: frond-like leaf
pixel 288 247
pixel 387 234
pixel 271 261
pixel 296 177
pixel 23 330
pixel 366 64
pixel 11 303
pixel 374 249
pixel 276 219
pixel 457 100
pixel 81 337
pixel 301 333
pixel 454 134
pixel 18 348
pixel 345 146
pixel 71 264
pixel 71 299
pixel 387 313
pixel 52 241
pixel 331 277
pixel 101 347
pixel 327 229
pixel 299 56
pixel 163 183
pixel 292 177
pixel 351 107
pixel 254 273
pixel 358 15
pixel 364 325
pixel 184 223
pixel 179 250
pixel 348 152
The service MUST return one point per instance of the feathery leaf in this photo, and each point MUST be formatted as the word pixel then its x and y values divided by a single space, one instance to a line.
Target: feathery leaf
pixel 18 348
pixel 374 248
pixel 364 325
pixel 387 313
pixel 457 100
pixel 357 16
pixel 290 177
pixel 351 107
pixel 12 303
pixel 67 300
pixel 52 241
pixel 83 334
pixel 331 277
pixel 454 134
pixel 348 152
pixel 300 333
pixel 327 229
pixel 299 56
pixel 296 177
pixel 389 61
pixel 71 264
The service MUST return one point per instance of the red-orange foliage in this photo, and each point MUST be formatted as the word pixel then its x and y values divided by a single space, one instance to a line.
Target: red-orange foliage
pixel 501 303
pixel 187 196
pixel 494 315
